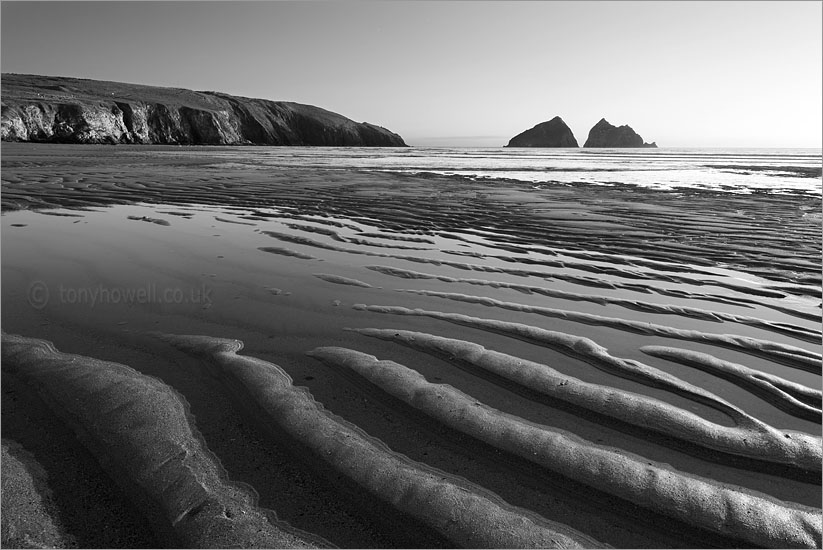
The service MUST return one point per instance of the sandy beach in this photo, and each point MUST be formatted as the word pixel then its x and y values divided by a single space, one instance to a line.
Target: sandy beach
pixel 202 350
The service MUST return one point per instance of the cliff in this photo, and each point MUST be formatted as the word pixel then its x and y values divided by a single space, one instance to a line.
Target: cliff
pixel 553 133
pixel 604 134
pixel 72 110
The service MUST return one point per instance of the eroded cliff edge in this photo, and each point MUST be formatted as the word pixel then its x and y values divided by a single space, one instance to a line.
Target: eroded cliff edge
pixel 72 110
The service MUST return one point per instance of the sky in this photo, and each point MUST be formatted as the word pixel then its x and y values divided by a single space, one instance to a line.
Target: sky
pixel 467 73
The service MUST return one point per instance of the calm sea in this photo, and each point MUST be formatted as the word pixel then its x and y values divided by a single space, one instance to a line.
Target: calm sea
pixel 729 170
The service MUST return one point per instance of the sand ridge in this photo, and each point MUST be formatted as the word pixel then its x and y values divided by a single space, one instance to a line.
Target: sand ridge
pixel 466 515
pixel 757 519
pixel 140 430
pixel 749 437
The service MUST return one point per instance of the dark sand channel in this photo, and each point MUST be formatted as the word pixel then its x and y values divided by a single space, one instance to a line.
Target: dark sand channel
pixel 562 366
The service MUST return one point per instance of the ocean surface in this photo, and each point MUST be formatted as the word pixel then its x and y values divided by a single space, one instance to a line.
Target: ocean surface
pixel 732 170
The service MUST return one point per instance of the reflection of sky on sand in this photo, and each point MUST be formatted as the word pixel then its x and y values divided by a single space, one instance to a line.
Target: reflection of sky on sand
pixel 106 248
pixel 204 249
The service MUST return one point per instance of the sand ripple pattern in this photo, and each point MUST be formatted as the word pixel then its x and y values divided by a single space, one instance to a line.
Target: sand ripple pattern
pixel 803 333
pixel 658 349
pixel 797 399
pixel 790 355
pixel 467 515
pixel 757 519
pixel 140 431
pixel 749 437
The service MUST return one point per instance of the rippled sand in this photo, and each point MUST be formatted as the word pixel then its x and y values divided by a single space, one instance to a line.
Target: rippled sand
pixel 313 357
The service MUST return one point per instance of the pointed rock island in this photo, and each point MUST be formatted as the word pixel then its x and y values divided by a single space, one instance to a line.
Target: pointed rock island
pixel 604 134
pixel 73 110
pixel 553 133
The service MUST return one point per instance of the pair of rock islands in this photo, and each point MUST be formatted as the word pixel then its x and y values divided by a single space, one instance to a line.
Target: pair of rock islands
pixel 555 133
pixel 72 110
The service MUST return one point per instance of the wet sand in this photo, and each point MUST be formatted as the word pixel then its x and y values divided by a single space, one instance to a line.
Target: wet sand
pixel 367 359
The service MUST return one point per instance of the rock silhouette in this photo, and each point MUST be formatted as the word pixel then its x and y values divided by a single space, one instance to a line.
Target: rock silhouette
pixel 604 134
pixel 553 133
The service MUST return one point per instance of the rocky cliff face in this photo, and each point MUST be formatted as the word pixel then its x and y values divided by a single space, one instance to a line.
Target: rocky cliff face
pixel 553 133
pixel 604 134
pixel 70 110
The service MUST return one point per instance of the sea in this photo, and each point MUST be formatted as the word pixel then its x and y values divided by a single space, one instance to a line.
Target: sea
pixel 732 170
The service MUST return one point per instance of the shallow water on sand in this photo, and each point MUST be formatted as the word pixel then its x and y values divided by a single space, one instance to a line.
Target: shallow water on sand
pixel 730 170
pixel 280 259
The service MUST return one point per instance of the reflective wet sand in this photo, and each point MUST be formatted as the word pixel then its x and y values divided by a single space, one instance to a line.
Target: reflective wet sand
pixel 667 341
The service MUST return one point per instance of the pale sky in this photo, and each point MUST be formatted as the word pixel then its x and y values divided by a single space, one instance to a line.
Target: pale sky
pixel 683 74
